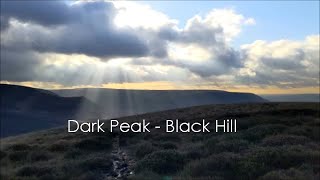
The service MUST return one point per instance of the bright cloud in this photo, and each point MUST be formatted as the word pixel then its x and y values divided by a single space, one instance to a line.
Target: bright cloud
pixel 136 15
pixel 284 63
pixel 192 53
pixel 227 20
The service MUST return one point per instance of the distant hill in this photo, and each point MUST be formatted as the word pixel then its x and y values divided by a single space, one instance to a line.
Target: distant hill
pixel 292 97
pixel 25 109
pixel 121 102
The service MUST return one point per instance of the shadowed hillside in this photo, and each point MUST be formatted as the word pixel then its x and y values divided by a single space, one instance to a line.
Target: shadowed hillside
pixel 25 109
pixel 293 97
pixel 273 141
pixel 35 109
pixel 121 102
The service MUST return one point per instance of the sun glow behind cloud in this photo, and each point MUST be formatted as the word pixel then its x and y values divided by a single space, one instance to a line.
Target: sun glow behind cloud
pixel 136 15
pixel 193 53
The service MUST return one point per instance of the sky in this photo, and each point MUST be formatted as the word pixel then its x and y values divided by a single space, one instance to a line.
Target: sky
pixel 274 19
pixel 263 47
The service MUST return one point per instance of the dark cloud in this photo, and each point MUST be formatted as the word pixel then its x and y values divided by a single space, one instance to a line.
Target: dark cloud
pixel 54 13
pixel 40 12
pixel 223 63
pixel 94 43
pixel 18 66
pixel 85 28
pixel 282 63
pixel 4 23
pixel 30 66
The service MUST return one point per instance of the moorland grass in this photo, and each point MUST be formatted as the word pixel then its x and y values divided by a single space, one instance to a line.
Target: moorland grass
pixel 273 141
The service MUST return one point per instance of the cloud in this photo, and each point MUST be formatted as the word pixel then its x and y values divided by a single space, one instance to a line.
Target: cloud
pixel 110 30
pixel 133 15
pixel 79 28
pixel 40 12
pixel 4 22
pixel 218 27
pixel 202 46
pixel 283 63
pixel 250 21
pixel 96 42
pixel 205 62
pixel 80 70
pixel 18 66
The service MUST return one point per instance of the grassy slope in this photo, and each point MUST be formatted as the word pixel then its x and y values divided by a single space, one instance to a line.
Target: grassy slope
pixel 274 141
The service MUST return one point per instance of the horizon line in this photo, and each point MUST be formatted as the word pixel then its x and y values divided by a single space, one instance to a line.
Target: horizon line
pixel 138 89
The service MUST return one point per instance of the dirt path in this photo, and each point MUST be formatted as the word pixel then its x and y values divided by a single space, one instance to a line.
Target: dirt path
pixel 122 165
